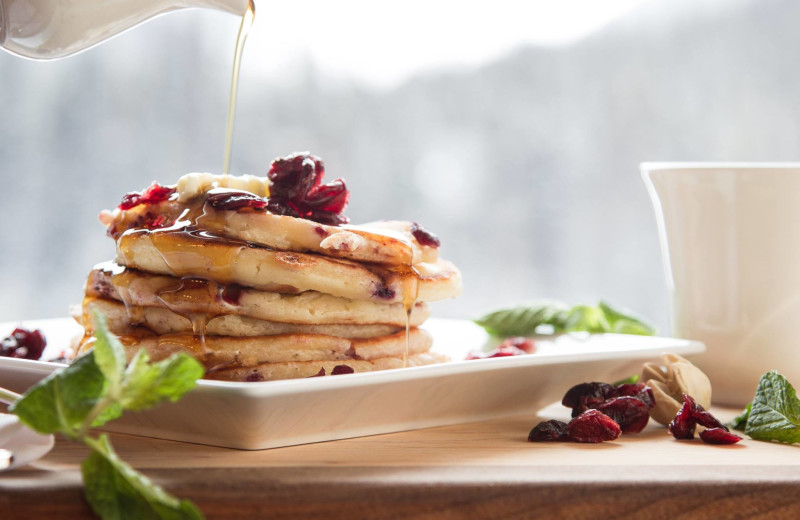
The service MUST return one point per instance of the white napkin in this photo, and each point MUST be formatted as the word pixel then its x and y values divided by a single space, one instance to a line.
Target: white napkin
pixel 19 441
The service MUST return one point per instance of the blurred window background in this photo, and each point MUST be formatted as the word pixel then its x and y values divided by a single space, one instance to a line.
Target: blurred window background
pixel 511 129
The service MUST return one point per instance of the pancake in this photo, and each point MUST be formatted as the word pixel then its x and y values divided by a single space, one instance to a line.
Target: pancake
pixel 389 242
pixel 304 369
pixel 198 254
pixel 161 321
pixel 386 242
pixel 140 289
pixel 227 351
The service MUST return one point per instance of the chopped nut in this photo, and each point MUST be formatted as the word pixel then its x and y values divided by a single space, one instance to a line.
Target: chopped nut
pixel 343 241
pixel 672 378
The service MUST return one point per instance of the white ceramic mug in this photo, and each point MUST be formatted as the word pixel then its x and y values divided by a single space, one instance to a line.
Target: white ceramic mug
pixel 730 237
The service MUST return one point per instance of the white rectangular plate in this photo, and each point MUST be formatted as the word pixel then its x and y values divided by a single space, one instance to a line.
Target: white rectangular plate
pixel 271 414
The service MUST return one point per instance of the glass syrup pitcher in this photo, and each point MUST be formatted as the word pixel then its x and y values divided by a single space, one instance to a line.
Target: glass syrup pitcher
pixel 50 29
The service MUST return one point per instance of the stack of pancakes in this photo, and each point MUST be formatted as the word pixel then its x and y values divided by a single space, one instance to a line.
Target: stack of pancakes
pixel 259 296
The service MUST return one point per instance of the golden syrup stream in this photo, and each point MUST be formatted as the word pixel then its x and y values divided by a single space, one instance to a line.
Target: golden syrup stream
pixel 244 28
pixel 410 284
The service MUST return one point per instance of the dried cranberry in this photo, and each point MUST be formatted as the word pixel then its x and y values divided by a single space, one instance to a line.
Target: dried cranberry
pixel 629 412
pixel 501 351
pixel 522 343
pixel 342 369
pixel 684 423
pixel 23 344
pixel 254 377
pixel 518 346
pixel 638 390
pixel 282 207
pixel 235 200
pixel 130 200
pixel 232 294
pixel 424 237
pixel 156 222
pixel 153 195
pixel 719 436
pixel 584 396
pixel 320 373
pixel 296 190
pixel 704 418
pixel 548 431
pixel 319 230
pixel 384 293
pixel 593 426
pixel 326 217
pixel 330 197
pixel 295 175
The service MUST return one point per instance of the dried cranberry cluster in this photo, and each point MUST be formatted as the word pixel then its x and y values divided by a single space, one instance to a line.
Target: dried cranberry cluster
pixel 23 344
pixel 148 220
pixel 690 415
pixel 510 347
pixel 153 195
pixel 296 190
pixel 600 412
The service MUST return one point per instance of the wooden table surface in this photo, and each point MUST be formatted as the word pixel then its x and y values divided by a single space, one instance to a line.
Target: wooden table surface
pixel 478 470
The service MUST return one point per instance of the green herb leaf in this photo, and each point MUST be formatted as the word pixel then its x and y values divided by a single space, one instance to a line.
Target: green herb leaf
pixel 147 385
pixel 740 421
pixel 624 321
pixel 627 381
pixel 115 490
pixel 108 352
pixel 523 320
pixel 93 390
pixel 587 319
pixel 775 413
pixel 62 401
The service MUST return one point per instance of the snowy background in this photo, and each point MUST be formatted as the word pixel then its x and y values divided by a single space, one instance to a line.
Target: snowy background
pixel 512 129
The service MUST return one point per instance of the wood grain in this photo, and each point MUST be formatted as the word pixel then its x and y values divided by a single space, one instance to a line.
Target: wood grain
pixel 481 470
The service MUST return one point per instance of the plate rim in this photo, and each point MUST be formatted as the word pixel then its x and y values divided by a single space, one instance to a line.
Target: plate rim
pixel 297 386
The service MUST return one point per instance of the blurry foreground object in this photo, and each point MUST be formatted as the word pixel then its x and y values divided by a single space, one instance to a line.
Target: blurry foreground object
pixel 51 29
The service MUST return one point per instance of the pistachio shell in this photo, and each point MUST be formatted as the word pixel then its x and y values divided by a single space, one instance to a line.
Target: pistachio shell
pixel 666 407
pixel 692 381
pixel 653 371
pixel 672 378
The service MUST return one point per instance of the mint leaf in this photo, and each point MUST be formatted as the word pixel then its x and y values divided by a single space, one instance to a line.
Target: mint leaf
pixel 117 491
pixel 627 381
pixel 108 352
pixel 624 321
pixel 62 401
pixel 586 318
pixel 740 421
pixel 523 320
pixel 775 413
pixel 146 385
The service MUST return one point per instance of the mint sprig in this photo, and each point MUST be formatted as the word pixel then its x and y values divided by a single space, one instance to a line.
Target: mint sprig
pixel 97 388
pixel 739 422
pixel 775 411
pixel 557 317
